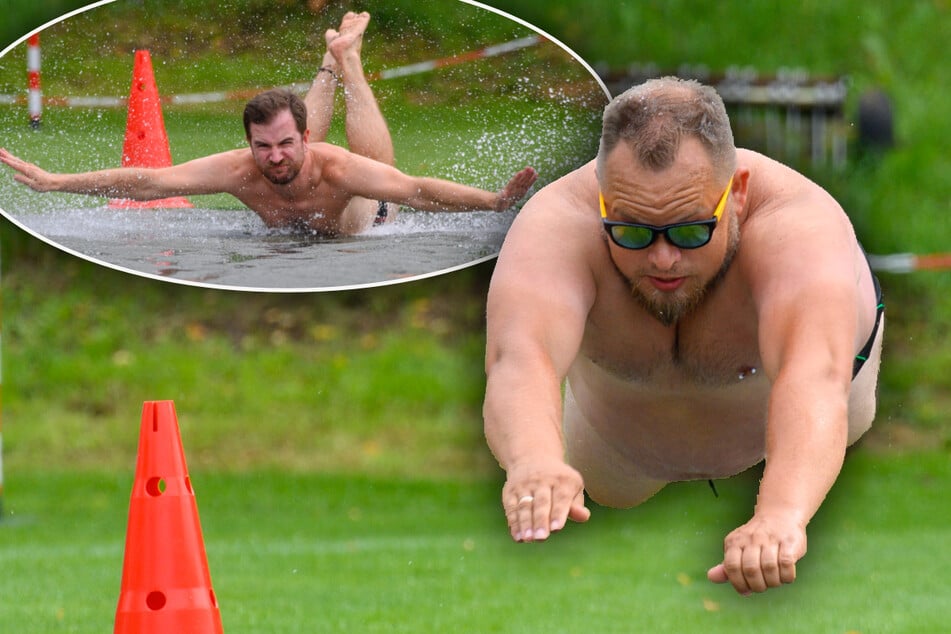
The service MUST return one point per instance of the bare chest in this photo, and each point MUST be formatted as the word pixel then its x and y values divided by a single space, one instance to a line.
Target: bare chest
pixel 681 401
pixel 716 345
pixel 313 205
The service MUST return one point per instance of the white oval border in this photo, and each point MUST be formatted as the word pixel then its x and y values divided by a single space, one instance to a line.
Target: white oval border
pixel 281 290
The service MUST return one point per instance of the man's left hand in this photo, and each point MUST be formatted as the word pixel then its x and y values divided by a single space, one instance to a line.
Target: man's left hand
pixel 515 189
pixel 761 554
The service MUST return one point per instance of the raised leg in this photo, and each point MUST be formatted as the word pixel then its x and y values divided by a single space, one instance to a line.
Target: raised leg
pixel 320 97
pixel 367 132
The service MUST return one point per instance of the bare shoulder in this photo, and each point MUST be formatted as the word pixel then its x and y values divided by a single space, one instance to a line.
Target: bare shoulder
pixel 775 188
pixel 561 218
pixel 329 154
pixel 794 233
pixel 552 247
pixel 333 161
pixel 327 150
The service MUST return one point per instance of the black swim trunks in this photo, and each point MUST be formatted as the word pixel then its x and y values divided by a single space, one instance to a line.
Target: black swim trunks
pixel 862 356
pixel 381 213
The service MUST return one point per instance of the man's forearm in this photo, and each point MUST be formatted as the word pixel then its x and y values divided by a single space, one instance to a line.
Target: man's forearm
pixel 433 194
pixel 806 441
pixel 133 183
pixel 522 413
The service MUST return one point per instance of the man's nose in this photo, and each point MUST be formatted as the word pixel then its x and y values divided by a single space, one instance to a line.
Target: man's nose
pixel 663 255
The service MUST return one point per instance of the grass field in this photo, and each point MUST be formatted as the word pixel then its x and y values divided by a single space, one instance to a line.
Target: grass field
pixel 306 552
pixel 335 440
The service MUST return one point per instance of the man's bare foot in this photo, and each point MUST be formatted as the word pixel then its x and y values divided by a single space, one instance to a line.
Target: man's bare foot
pixel 516 188
pixel 349 38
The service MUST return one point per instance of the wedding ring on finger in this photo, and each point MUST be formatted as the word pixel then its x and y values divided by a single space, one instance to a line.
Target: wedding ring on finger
pixel 526 499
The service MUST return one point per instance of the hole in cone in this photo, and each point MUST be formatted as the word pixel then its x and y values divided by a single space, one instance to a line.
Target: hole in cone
pixel 214 599
pixel 155 487
pixel 188 485
pixel 155 600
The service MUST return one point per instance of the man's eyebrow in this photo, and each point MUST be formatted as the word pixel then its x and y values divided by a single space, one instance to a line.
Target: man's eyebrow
pixel 627 213
pixel 288 139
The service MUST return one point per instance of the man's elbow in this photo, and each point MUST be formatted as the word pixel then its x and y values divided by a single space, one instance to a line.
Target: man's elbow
pixel 493 357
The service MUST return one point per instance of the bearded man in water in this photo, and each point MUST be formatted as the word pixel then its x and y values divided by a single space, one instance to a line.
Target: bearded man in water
pixel 289 176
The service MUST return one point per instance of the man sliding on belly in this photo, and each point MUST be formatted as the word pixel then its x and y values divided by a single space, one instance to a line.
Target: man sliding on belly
pixel 705 308
pixel 287 179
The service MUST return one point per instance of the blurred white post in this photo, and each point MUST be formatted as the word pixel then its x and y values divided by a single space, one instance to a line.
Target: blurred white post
pixel 33 75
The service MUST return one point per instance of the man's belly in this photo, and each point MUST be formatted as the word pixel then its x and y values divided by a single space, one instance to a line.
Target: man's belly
pixel 672 429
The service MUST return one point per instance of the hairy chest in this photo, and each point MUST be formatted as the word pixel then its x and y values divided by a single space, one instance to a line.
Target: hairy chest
pixel 715 345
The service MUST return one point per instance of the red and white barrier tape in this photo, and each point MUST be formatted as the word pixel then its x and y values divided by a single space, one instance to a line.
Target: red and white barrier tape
pixel 489 51
pixel 237 95
pixel 910 262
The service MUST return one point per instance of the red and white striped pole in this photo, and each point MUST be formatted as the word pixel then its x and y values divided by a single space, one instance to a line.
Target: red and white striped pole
pixel 33 74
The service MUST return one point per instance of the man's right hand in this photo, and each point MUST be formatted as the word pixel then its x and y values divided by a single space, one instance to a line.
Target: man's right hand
pixel 27 173
pixel 539 498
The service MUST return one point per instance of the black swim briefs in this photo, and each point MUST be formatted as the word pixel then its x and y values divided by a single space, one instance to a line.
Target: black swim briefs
pixel 381 213
pixel 866 350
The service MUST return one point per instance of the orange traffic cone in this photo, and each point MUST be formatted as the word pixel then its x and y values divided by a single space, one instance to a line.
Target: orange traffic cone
pixel 146 142
pixel 166 586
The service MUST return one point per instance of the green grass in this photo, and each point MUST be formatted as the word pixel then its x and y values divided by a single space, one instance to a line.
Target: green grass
pixel 386 380
pixel 304 552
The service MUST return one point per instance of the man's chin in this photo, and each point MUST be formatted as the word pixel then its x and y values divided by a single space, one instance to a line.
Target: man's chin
pixel 283 179
pixel 668 307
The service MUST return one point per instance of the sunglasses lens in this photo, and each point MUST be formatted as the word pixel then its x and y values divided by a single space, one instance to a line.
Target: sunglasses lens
pixel 632 237
pixel 690 236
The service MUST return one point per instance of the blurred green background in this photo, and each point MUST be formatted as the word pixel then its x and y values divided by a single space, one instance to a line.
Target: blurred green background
pixel 84 345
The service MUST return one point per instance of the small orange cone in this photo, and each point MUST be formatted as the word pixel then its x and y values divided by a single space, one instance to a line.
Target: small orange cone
pixel 166 586
pixel 146 142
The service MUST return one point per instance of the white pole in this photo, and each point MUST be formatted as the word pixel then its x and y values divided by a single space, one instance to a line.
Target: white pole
pixel 33 74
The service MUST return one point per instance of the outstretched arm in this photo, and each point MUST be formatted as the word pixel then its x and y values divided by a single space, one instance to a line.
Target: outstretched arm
pixel 361 176
pixel 807 333
pixel 433 194
pixel 201 176
pixel 537 308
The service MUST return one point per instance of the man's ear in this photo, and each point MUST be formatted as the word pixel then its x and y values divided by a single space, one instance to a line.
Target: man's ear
pixel 741 181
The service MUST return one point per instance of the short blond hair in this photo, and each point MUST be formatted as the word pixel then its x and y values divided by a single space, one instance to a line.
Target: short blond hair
pixel 655 117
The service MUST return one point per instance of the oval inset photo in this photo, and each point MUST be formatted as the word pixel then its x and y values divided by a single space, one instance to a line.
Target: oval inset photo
pixel 297 147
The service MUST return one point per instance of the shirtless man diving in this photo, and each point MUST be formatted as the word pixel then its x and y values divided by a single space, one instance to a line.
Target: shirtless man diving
pixel 706 308
pixel 289 176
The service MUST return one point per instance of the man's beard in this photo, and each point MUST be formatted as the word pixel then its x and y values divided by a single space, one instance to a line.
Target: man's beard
pixel 292 172
pixel 669 308
pixel 282 180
